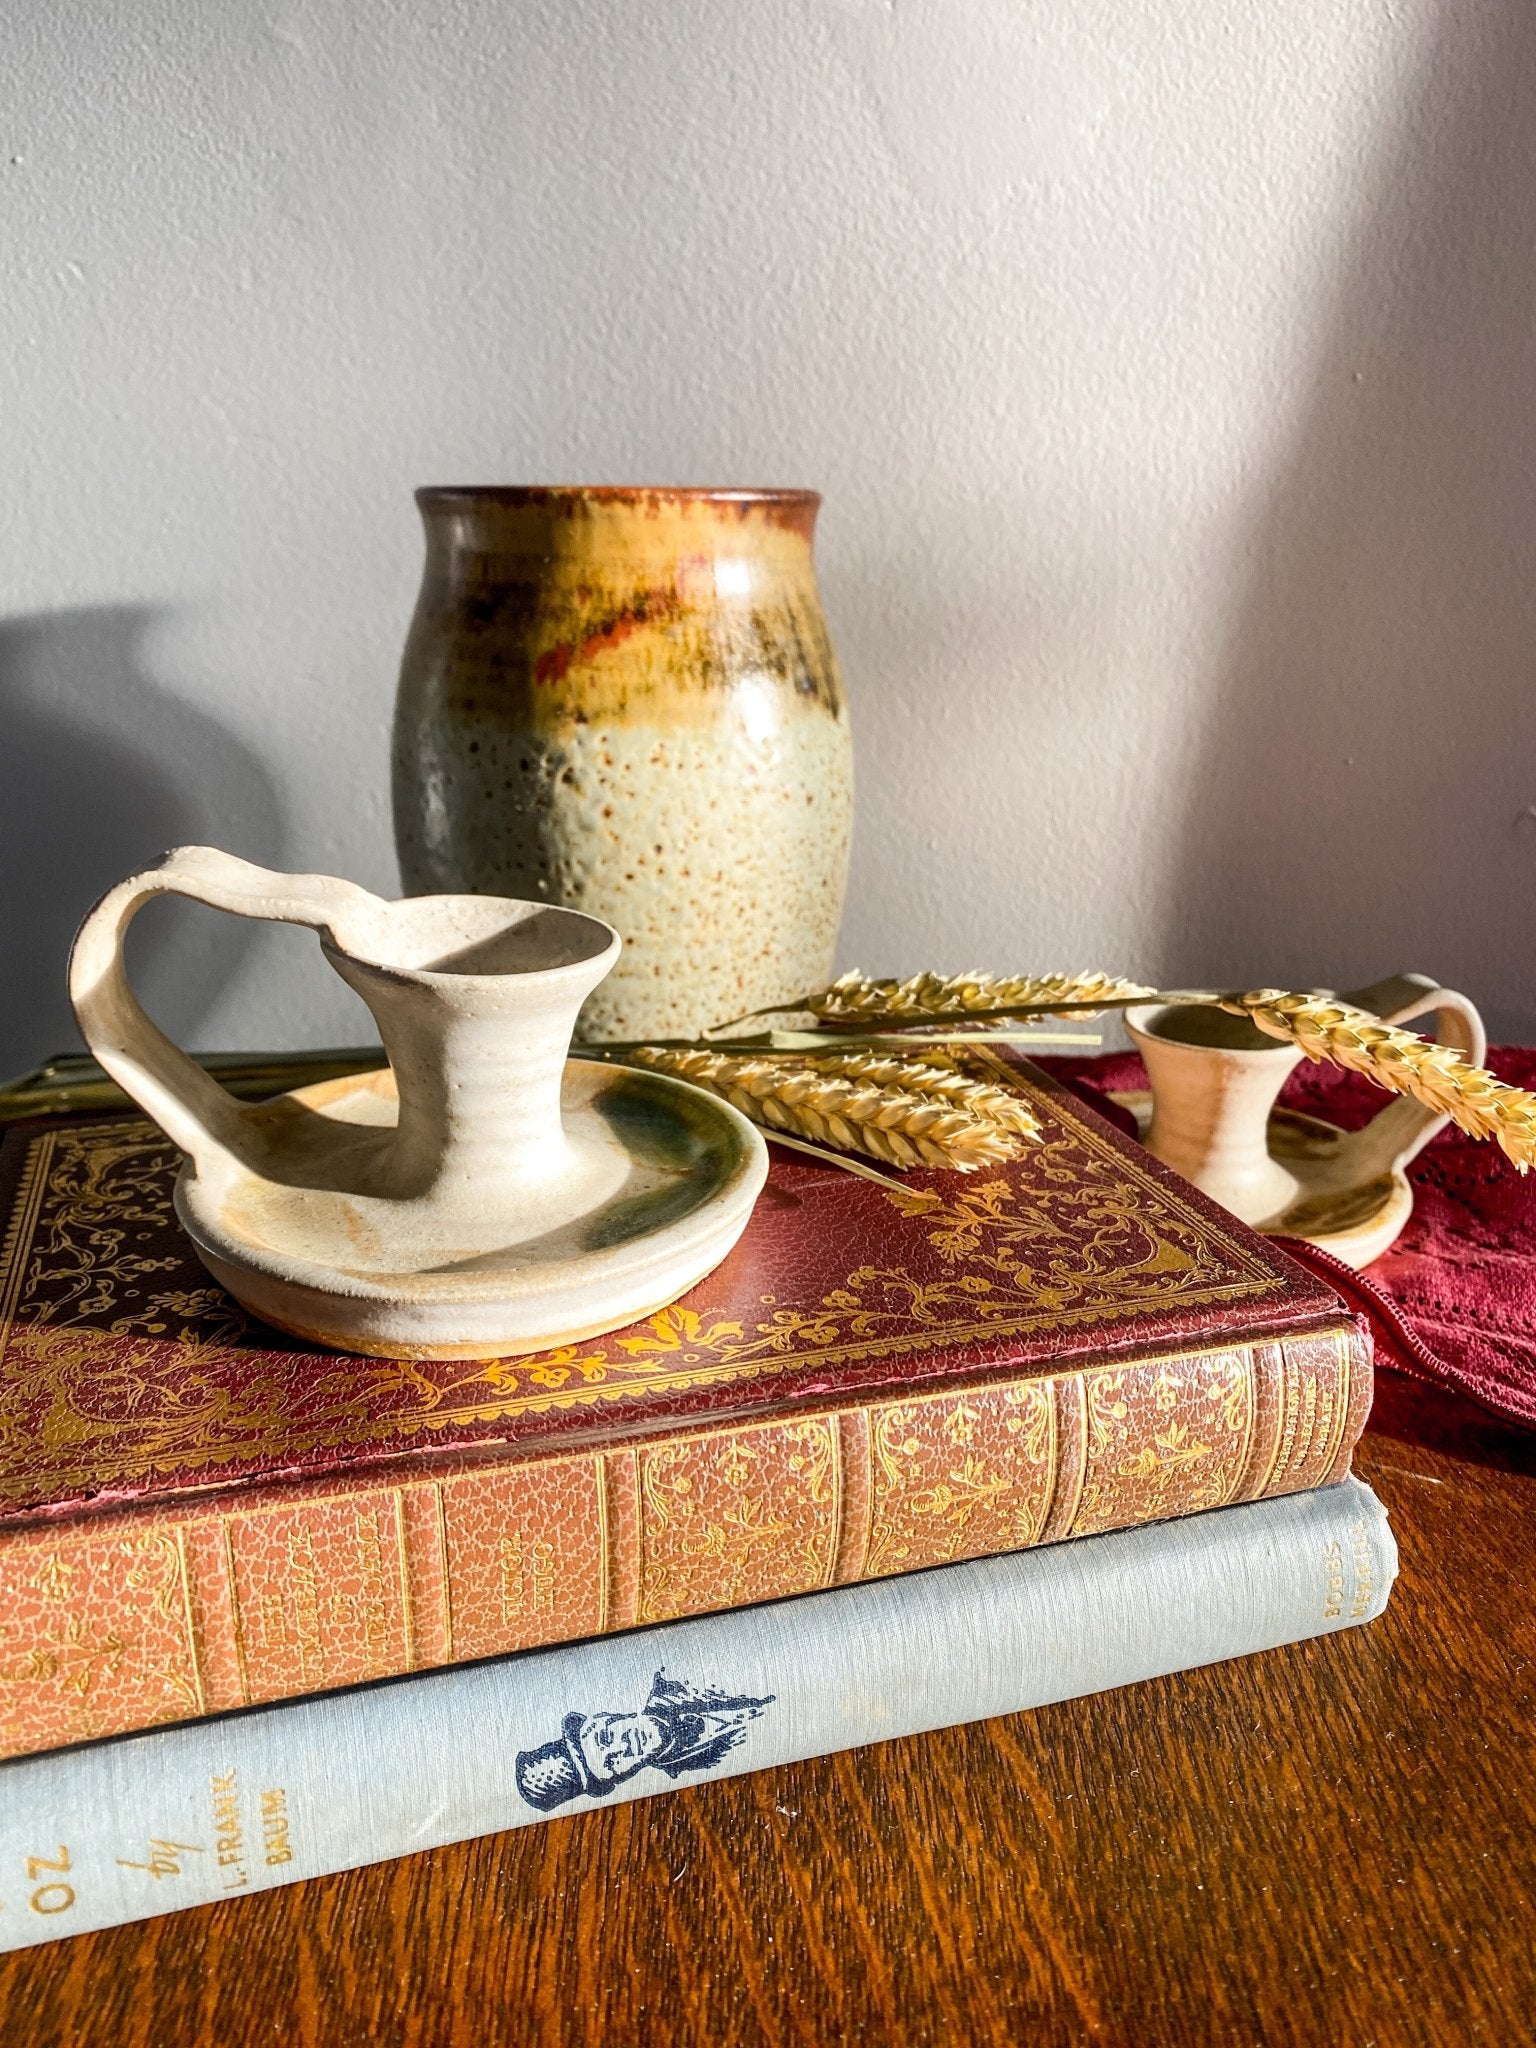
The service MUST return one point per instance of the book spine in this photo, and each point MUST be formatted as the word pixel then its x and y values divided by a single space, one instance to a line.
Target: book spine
pixel 151 1823
pixel 123 1620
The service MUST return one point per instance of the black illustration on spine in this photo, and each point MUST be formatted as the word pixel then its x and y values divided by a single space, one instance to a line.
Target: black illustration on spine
pixel 680 1728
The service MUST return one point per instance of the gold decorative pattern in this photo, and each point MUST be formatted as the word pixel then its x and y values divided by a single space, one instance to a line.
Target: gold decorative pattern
pixel 1184 1450
pixel 120 1360
pixel 22 1225
pixel 88 1624
pixel 297 1588
pixel 742 1516
pixel 960 1475
pixel 322 1592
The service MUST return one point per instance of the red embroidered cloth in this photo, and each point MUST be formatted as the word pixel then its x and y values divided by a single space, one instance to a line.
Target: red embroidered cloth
pixel 1454 1300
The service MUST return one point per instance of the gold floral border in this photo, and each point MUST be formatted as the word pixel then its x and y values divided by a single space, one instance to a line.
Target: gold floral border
pixel 877 1312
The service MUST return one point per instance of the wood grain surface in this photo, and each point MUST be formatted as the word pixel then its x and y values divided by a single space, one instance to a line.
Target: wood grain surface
pixel 1332 1843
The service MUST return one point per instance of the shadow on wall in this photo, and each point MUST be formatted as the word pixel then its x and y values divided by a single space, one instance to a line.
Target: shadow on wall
pixel 100 771
pixel 1366 798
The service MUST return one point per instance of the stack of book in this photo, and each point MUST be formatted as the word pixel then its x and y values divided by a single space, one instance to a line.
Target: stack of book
pixel 906 1459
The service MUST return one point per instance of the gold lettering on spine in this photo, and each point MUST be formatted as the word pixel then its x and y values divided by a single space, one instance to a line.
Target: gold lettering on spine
pixel 1365 1571
pixel 1319 1429
pixel 442 1566
pixel 303 1602
pixel 407 1612
pixel 509 1580
pixel 229 1831
pixel 276 1841
pixel 1343 1352
pixel 542 1575
pixel 1290 1404
pixel 1314 1394
pixel 227 1531
pixel 1314 1418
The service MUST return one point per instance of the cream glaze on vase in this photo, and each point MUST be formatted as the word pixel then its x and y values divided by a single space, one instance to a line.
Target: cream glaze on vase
pixel 626 702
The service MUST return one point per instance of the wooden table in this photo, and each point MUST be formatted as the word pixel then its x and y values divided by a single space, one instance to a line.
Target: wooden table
pixel 1333 1843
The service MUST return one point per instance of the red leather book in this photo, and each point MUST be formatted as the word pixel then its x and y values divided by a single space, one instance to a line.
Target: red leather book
pixel 197 1513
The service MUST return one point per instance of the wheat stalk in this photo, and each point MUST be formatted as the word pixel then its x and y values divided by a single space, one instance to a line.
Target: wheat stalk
pixel 854 998
pixel 932 1124
pixel 929 1073
pixel 1400 1061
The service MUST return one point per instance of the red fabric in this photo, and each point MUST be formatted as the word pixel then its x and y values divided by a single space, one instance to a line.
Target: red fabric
pixel 1454 1300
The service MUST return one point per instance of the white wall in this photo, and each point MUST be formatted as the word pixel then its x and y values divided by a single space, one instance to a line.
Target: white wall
pixel 1169 367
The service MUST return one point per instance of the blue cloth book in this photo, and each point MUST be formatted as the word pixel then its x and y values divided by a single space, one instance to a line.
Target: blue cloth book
pixel 144 1824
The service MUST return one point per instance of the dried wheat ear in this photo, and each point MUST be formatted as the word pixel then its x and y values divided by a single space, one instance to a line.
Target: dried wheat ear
pixel 1397 1060
pixel 855 998
pixel 1436 1075
pixel 921 1111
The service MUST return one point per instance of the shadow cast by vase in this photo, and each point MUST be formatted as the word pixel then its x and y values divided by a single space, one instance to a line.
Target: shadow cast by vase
pixel 100 771
pixel 1364 800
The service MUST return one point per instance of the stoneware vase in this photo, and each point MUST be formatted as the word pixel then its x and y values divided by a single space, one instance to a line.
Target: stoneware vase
pixel 625 701
pixel 480 1197
pixel 1211 1115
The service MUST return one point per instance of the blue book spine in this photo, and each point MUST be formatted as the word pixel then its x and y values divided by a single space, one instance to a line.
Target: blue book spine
pixel 145 1824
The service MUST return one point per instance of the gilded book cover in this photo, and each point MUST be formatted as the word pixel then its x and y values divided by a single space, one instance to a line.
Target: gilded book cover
pixel 196 1513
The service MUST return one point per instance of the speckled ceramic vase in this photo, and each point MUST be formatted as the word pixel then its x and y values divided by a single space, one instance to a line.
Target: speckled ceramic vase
pixel 626 702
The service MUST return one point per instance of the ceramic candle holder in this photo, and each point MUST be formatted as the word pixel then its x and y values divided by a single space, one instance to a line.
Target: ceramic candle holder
pixel 485 1195
pixel 1212 1116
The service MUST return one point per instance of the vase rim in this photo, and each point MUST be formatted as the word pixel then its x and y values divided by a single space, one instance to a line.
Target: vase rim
pixel 539 494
